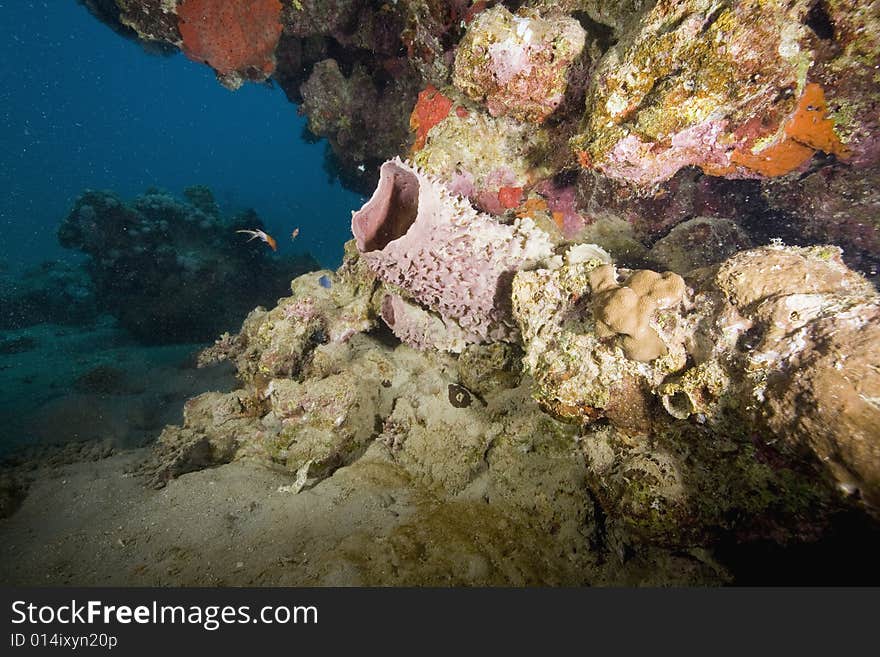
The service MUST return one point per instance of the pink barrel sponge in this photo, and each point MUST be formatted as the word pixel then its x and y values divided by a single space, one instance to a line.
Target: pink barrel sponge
pixel 422 329
pixel 415 234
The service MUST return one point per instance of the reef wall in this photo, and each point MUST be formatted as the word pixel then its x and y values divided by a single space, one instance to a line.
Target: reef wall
pixel 569 297
pixel 645 112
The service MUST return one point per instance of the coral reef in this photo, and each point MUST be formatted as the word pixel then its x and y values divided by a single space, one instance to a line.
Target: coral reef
pixel 774 346
pixel 725 457
pixel 157 263
pixel 587 339
pixel 661 90
pixel 364 123
pixel 152 20
pixel 726 88
pixel 580 371
pixel 157 41
pixel 355 397
pixel 483 157
pixel 431 108
pixel 306 18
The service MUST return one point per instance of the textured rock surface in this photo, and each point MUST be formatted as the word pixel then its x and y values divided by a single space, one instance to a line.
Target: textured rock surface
pixel 237 40
pixel 363 123
pixel 771 355
pixel 479 156
pixel 520 65
pixel 726 88
pixel 152 20
pixel 579 376
pixel 813 346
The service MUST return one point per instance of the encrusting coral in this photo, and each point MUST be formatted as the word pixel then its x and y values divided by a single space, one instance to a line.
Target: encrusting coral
pixel 487 159
pixel 728 88
pixel 519 65
pixel 431 108
pixel 807 130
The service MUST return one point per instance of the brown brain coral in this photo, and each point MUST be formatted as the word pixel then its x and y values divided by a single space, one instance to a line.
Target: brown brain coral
pixel 627 309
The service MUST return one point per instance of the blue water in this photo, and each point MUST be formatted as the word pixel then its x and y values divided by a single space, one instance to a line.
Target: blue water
pixel 82 107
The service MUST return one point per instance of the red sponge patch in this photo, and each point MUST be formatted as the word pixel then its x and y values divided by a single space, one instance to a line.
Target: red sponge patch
pixel 231 36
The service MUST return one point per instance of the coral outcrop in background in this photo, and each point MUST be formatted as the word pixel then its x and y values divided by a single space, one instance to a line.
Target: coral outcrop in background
pixel 52 292
pixel 170 270
pixel 571 303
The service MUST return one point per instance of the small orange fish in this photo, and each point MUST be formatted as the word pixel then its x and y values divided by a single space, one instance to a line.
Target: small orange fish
pixel 268 239
pixel 294 234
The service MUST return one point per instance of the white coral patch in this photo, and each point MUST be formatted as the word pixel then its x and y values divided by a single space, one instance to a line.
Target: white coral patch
pixel 509 60
pixel 788 41
pixel 616 103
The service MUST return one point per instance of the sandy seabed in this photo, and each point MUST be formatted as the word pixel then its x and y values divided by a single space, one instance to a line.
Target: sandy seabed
pixel 94 523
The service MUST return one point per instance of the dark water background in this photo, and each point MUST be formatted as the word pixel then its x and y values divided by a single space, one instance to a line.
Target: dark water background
pixel 82 107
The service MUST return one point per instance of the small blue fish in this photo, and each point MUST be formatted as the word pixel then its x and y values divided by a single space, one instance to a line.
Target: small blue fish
pixel 325 281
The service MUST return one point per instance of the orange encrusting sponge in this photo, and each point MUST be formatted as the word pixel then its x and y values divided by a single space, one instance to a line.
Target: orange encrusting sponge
pixel 807 130
pixel 431 108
